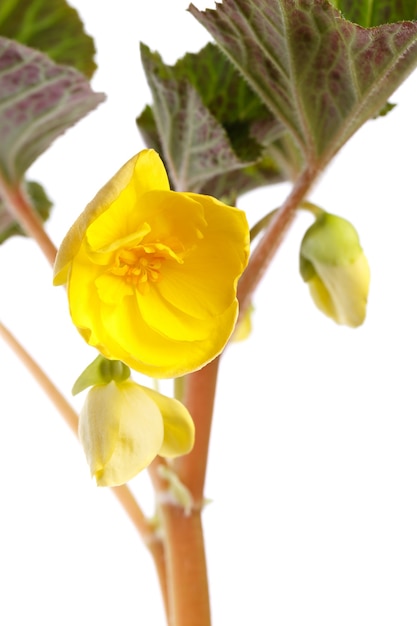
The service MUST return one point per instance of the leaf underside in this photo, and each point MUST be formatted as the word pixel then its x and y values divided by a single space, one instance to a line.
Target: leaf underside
pixel 39 100
pixel 210 127
pixel 320 75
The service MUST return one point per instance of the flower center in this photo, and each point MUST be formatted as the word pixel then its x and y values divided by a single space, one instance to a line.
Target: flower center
pixel 142 265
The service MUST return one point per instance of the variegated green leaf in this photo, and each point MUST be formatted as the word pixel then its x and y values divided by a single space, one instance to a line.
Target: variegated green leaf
pixel 320 75
pixel 39 100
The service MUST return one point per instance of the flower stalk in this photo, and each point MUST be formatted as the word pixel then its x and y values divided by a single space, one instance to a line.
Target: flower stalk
pixel 273 237
pixel 20 208
pixel 188 592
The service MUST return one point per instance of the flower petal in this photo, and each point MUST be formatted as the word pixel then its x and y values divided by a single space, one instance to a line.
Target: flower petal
pixel 98 427
pixel 179 430
pixel 347 288
pixel 167 320
pixel 203 287
pixel 150 174
pixel 121 429
pixel 147 351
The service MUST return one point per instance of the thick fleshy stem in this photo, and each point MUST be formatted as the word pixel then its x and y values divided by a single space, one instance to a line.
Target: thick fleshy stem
pixel 188 593
pixel 199 394
pixel 20 208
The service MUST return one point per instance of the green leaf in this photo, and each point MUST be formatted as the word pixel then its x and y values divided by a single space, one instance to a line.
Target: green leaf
pixel 195 145
pixel 227 96
pixel 51 26
pixel 320 75
pixel 147 127
pixel 387 108
pixel 375 12
pixel 248 138
pixel 39 201
pixel 39 100
pixel 227 185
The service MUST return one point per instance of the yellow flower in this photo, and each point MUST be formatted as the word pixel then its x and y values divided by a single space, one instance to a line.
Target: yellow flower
pixel 123 426
pixel 333 264
pixel 152 273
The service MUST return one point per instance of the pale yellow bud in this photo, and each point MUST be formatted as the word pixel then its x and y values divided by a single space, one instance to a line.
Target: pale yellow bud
pixel 333 264
pixel 123 426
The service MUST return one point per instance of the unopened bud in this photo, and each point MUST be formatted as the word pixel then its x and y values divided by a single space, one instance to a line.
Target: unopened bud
pixel 333 264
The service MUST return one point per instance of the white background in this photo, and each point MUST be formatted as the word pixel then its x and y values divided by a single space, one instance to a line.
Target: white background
pixel 313 464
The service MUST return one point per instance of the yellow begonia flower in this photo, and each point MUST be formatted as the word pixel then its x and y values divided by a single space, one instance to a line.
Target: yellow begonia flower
pixel 333 264
pixel 123 426
pixel 152 273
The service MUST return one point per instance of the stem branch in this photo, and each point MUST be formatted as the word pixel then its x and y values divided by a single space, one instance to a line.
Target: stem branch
pixel 270 242
pixel 19 207
pixel 188 593
pixel 186 567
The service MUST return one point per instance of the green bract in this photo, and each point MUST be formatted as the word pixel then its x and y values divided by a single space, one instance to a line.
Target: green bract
pixel 100 372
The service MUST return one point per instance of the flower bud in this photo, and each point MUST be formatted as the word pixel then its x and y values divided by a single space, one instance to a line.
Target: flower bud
pixel 123 426
pixel 333 264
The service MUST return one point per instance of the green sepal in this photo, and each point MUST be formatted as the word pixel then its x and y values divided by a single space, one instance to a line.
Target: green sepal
pixel 101 372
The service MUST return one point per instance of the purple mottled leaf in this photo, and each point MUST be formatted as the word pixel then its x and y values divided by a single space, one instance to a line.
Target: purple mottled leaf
pixel 39 100
pixel 319 74
pixel 195 145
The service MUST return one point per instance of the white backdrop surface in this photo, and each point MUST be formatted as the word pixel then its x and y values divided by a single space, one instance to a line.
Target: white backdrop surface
pixel 313 463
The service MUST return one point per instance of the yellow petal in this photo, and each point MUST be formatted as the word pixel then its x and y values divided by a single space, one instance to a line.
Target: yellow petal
pixel 167 320
pixel 179 431
pixel 121 430
pixel 150 174
pixel 341 292
pixel 149 352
